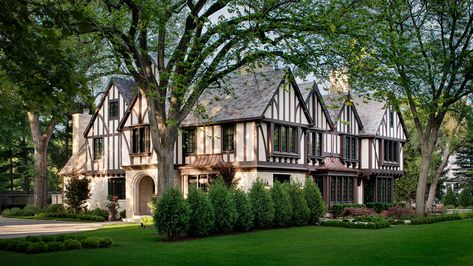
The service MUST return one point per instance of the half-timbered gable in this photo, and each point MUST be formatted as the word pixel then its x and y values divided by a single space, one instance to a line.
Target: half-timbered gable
pixel 103 139
pixel 382 141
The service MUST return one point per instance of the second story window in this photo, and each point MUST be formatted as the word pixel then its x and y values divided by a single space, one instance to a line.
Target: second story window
pixel 391 118
pixel 113 109
pixel 189 143
pixel 391 151
pixel 98 148
pixel 140 140
pixel 350 148
pixel 228 137
pixel 315 143
pixel 285 139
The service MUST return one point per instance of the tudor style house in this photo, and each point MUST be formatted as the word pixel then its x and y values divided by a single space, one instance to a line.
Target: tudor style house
pixel 264 124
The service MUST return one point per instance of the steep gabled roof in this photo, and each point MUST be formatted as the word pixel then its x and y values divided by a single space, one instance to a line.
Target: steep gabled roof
pixel 335 103
pixel 76 164
pixel 371 112
pixel 309 89
pixel 124 86
pixel 240 97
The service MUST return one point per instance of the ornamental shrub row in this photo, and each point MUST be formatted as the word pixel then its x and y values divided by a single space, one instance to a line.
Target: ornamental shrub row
pixel 441 218
pixel 225 210
pixel 41 244
pixel 83 217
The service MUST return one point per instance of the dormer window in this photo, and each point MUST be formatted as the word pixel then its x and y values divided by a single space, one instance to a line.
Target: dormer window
pixel 228 137
pixel 113 108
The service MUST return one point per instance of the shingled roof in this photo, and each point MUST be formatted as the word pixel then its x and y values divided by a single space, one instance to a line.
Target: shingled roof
pixel 76 164
pixel 241 97
pixel 126 87
pixel 371 113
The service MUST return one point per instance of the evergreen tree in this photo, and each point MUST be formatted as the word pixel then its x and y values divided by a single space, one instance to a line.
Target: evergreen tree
pixel 450 198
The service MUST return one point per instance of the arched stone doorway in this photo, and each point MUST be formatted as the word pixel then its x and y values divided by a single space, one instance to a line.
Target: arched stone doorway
pixel 145 193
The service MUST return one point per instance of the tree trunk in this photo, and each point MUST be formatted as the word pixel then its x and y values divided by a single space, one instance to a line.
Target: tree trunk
pixel 422 183
pixel 432 190
pixel 166 168
pixel 40 142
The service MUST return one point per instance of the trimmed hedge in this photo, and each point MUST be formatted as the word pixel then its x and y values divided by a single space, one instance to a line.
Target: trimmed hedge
pixel 379 207
pixel 244 221
pixel 83 217
pixel 359 225
pixel 436 219
pixel 282 206
pixel 202 214
pixel 42 244
pixel 262 205
pixel 313 197
pixel 172 214
pixel 224 207
pixel 300 214
pixel 15 212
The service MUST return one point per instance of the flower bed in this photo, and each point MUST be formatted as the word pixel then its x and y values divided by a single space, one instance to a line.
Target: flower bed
pixel 355 224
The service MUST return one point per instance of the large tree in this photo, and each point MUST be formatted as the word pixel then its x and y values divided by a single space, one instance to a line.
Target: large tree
pixel 417 51
pixel 45 62
pixel 196 44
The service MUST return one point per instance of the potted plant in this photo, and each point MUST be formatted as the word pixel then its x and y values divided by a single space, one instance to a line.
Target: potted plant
pixel 112 206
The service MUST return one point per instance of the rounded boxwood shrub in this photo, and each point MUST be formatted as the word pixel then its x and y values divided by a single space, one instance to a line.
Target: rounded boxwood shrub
pixel 33 238
pixel 16 245
pixel 282 206
pixel 224 207
pixel 36 247
pixel 70 244
pixel 245 215
pixel 202 213
pixel 99 212
pixel 300 211
pixel 172 214
pixel 90 242
pixel 315 203
pixel 262 204
pixel 105 242
pixel 55 246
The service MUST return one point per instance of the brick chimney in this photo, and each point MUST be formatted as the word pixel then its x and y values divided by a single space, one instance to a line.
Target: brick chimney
pixel 79 123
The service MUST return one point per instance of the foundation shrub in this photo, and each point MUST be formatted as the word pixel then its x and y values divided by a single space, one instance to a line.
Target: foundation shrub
pixel 202 213
pixel 262 204
pixel 36 247
pixel 316 204
pixel 282 206
pixel 172 214
pixel 355 212
pixel 224 207
pixel 399 213
pixel 70 244
pixel 99 212
pixel 379 207
pixel 337 209
pixel 54 208
pixel 245 215
pixel 77 193
pixel 300 210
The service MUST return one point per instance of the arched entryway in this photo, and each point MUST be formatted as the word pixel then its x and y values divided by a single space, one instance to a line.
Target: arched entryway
pixel 145 193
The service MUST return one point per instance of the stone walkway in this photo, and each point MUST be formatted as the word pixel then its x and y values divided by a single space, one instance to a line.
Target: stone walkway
pixel 10 227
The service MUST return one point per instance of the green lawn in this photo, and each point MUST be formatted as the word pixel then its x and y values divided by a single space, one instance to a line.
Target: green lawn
pixel 447 243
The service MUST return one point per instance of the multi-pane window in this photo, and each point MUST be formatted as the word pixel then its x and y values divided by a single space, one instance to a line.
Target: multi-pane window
pixel 341 189
pixel 189 143
pixel 113 109
pixel 281 178
pixel 140 140
pixel 391 151
pixel 116 187
pixel 384 190
pixel 350 148
pixel 315 143
pixel 285 139
pixel 201 181
pixel 228 138
pixel 391 118
pixel 98 148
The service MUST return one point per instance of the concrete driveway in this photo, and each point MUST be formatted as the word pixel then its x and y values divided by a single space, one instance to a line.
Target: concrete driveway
pixel 10 227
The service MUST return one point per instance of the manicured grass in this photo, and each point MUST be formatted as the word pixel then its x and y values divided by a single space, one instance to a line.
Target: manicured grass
pixel 446 243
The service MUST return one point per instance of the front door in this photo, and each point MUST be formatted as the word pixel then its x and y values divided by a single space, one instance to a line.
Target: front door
pixel 146 190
